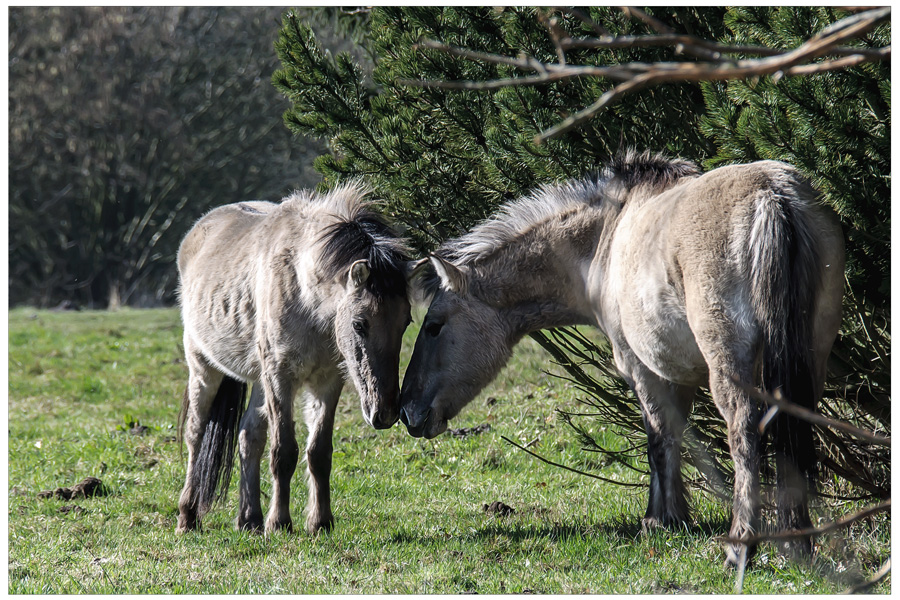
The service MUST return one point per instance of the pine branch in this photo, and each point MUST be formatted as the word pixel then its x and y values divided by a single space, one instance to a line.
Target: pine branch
pixel 561 466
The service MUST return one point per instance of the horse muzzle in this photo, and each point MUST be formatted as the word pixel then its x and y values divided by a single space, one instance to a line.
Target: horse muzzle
pixel 415 421
pixel 423 424
pixel 385 414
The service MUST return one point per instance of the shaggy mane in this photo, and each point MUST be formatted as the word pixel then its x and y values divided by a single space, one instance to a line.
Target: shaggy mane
pixel 517 217
pixel 359 233
pixel 611 186
pixel 622 177
pixel 632 170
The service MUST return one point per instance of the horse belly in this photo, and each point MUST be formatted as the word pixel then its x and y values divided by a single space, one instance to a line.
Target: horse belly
pixel 653 322
pixel 666 345
pixel 227 351
pixel 222 326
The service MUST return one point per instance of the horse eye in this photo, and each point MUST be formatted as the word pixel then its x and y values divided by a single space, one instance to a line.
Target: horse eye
pixel 433 329
pixel 361 327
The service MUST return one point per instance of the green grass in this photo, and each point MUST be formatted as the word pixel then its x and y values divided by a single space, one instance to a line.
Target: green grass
pixel 410 513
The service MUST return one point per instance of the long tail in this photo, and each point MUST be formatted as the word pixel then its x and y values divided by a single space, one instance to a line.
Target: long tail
pixel 211 474
pixel 785 277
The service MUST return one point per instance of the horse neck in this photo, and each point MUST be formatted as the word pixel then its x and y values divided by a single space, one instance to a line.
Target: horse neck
pixel 540 280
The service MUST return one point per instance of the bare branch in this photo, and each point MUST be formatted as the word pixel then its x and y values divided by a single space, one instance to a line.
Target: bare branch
pixel 596 27
pixel 550 462
pixel 653 22
pixel 557 34
pixel 881 574
pixel 715 66
pixel 809 531
pixel 778 402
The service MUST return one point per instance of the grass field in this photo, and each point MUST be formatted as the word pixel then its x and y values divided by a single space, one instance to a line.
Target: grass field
pixel 410 513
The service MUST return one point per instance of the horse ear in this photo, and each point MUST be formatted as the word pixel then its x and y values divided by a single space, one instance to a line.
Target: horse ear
pixel 411 268
pixel 453 278
pixel 359 273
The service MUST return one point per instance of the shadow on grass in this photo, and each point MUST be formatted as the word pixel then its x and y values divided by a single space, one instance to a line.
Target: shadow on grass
pixel 623 528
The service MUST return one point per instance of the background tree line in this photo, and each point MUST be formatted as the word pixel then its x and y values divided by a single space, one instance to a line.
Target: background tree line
pixel 445 158
pixel 125 125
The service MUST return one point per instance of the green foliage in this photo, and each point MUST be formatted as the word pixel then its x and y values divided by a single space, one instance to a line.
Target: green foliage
pixel 444 159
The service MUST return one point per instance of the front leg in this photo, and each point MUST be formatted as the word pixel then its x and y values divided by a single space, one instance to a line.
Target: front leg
pixel 322 396
pixel 665 407
pixel 279 391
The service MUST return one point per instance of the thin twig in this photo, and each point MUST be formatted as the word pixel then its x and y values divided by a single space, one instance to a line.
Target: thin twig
pixel 810 531
pixel 550 462
pixel 742 569
pixel 811 416
pixel 595 27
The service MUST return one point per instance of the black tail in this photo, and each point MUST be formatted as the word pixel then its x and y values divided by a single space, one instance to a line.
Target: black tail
pixel 786 275
pixel 211 474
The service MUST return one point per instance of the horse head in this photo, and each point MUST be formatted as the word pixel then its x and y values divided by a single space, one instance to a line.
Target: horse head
pixel 462 345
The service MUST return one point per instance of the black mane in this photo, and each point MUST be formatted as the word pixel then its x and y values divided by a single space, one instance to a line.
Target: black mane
pixel 367 237
pixel 632 169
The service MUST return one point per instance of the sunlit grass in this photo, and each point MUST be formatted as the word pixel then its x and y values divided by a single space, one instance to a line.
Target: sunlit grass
pixel 410 513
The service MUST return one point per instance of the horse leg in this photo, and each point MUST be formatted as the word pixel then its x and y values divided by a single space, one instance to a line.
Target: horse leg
pixel 664 407
pixel 742 418
pixel 203 382
pixel 251 442
pixel 795 467
pixel 284 453
pixel 321 400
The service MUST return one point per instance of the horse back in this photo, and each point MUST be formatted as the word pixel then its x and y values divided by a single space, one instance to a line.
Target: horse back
pixel 719 221
pixel 219 229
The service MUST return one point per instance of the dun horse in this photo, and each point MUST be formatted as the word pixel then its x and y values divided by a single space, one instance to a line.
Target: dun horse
pixel 287 296
pixel 695 278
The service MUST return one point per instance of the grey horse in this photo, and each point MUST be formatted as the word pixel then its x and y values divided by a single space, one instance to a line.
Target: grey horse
pixel 735 274
pixel 285 296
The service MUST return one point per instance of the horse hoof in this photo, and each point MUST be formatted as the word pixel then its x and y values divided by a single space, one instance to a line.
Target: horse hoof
pixel 798 550
pixel 733 556
pixel 273 526
pixel 249 525
pixel 314 526
pixel 186 525
pixel 649 524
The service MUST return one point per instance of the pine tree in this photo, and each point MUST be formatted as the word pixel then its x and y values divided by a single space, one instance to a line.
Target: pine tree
pixel 445 159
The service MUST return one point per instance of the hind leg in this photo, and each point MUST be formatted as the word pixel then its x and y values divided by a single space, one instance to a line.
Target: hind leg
pixel 729 344
pixel 251 443
pixel 203 382
pixel 742 418
pixel 321 400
